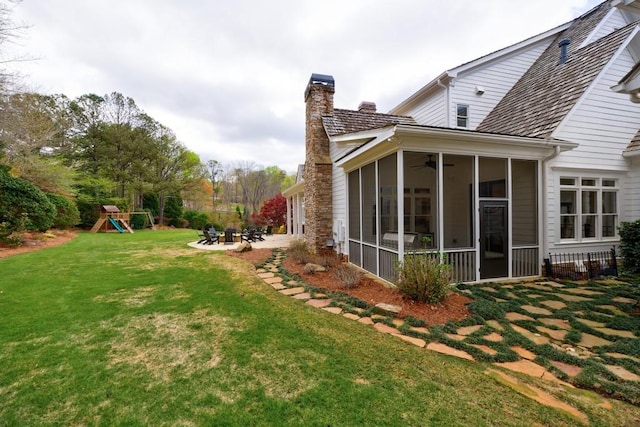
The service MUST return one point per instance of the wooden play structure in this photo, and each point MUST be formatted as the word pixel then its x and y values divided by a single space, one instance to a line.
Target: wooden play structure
pixel 112 220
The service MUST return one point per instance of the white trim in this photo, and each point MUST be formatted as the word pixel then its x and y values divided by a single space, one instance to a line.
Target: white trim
pixel 440 184
pixel 569 116
pixel 590 39
pixel 443 138
pixel 476 217
pixel 400 201
pixel 509 217
pixel 449 75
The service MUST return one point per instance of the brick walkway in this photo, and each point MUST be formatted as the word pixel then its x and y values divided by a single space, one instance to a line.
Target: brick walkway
pixel 487 341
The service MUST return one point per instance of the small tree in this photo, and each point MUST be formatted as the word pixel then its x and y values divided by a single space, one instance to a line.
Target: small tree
pixel 274 210
pixel 67 214
pixel 19 199
pixel 630 246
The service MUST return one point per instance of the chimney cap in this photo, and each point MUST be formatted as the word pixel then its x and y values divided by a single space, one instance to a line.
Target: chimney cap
pixel 367 106
pixel 324 79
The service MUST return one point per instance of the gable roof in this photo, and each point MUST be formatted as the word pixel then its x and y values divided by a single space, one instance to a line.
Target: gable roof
pixel 545 94
pixel 630 84
pixel 447 76
pixel 349 121
pixel 634 146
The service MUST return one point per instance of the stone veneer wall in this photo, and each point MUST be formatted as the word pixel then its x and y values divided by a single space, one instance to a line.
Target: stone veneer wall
pixel 318 168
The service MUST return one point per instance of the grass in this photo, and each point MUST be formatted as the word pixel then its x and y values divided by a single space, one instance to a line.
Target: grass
pixel 139 329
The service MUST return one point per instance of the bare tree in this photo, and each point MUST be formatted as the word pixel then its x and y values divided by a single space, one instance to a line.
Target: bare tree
pixel 10 32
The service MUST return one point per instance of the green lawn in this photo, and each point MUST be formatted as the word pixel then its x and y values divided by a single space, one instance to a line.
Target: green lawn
pixel 139 329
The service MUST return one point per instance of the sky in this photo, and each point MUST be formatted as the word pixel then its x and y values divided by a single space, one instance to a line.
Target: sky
pixel 229 77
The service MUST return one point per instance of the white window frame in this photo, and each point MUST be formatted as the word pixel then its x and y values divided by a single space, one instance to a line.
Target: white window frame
pixel 460 117
pixel 599 186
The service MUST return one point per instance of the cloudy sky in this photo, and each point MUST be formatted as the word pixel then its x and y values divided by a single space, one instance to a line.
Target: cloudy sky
pixel 228 77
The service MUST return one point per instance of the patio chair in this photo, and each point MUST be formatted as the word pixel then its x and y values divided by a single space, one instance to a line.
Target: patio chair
pixel 214 237
pixel 211 238
pixel 259 234
pixel 201 237
pixel 249 235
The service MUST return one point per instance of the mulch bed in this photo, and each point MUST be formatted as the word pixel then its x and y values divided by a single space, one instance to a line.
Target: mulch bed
pixel 372 291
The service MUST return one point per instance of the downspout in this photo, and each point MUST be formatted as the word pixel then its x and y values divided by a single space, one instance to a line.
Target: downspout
pixel 545 238
pixel 446 102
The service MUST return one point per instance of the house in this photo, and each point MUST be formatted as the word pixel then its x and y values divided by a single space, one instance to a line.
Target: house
pixel 496 163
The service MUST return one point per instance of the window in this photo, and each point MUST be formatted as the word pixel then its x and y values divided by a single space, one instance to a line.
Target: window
pixel 462 116
pixel 588 208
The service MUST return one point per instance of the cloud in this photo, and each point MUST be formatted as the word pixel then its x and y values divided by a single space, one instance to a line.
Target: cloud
pixel 229 77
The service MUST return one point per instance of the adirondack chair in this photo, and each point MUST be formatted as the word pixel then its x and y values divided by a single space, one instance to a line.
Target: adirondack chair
pixel 201 237
pixel 214 237
pixel 249 235
pixel 259 233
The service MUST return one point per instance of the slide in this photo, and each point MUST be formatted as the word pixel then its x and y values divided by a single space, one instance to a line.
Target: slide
pixel 116 225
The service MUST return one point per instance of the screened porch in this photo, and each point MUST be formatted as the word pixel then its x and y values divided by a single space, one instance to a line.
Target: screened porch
pixel 481 212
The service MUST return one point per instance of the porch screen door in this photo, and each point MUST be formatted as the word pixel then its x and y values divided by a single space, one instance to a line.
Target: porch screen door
pixel 494 239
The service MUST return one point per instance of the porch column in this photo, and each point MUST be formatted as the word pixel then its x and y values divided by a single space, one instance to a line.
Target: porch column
pixel 400 202
pixel 289 217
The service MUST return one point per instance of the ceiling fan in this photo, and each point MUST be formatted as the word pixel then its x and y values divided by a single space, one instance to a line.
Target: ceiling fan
pixel 431 163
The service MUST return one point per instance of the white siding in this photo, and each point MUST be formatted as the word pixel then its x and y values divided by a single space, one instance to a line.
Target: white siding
pixel 496 78
pixel 612 22
pixel 431 112
pixel 632 193
pixel 603 123
pixel 339 199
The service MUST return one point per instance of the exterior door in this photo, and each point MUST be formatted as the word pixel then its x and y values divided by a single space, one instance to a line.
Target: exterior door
pixel 494 239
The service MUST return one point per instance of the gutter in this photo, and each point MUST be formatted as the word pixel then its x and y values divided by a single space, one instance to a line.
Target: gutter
pixel 446 102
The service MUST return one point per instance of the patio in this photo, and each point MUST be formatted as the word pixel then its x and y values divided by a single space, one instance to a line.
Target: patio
pixel 269 242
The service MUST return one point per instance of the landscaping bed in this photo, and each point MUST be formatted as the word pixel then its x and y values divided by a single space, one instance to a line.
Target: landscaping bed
pixel 586 333
pixel 371 291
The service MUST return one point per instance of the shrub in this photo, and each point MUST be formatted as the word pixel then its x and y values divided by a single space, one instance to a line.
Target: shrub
pixel 630 246
pixel 299 251
pixel 423 277
pixel 178 223
pixel 19 197
pixel 15 238
pixel 197 220
pixel 67 214
pixel 349 276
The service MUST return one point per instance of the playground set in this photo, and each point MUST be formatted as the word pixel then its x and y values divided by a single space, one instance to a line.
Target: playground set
pixel 112 220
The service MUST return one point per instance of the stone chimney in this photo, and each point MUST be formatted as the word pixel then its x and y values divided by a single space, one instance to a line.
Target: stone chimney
pixel 367 107
pixel 318 180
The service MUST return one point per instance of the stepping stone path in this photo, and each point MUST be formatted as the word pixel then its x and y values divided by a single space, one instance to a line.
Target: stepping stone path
pixel 536 310
pixel 538 305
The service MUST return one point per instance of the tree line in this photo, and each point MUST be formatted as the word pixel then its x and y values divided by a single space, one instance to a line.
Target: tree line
pixel 105 150
pixel 62 158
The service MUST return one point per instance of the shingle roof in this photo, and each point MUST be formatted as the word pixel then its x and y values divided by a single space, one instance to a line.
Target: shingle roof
pixel 545 94
pixel 634 145
pixel 349 121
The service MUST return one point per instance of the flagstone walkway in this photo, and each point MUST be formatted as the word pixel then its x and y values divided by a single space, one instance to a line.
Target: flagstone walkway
pixel 569 334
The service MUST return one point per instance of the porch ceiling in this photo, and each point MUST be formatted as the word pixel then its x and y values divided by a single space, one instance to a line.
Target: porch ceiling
pixel 452 141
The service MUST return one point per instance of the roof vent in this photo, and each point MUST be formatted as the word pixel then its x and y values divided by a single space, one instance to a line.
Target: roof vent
pixel 564 55
pixel 367 107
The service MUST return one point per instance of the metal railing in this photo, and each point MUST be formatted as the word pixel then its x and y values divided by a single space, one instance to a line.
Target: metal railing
pixel 582 266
